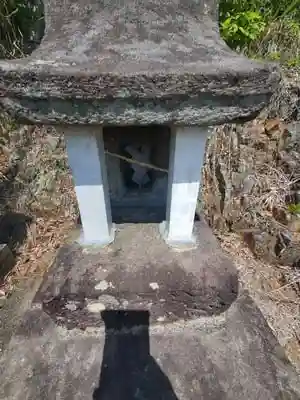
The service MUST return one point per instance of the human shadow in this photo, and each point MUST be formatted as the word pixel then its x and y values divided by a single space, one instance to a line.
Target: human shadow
pixel 128 370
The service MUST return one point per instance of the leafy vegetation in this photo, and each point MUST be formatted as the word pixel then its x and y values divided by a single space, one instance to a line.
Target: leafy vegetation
pixel 294 209
pixel 263 28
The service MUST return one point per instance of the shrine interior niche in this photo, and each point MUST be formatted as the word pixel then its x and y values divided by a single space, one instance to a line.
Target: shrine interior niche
pixel 138 193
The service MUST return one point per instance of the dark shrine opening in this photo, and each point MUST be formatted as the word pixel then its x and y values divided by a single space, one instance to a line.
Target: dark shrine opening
pixel 137 159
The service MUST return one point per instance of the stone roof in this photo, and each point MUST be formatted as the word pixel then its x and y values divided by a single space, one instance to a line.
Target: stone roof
pixel 134 62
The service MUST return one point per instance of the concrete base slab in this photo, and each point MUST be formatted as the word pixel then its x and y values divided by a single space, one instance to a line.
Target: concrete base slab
pixel 139 271
pixel 138 320
pixel 233 356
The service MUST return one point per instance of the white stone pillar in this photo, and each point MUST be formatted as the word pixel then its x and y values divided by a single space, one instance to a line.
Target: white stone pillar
pixel 86 156
pixel 186 159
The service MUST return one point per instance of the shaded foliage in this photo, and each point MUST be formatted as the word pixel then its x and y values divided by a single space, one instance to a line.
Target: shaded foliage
pixel 21 26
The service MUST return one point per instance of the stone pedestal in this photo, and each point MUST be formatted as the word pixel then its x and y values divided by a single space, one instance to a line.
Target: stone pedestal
pixel 140 320
pixel 138 271
pixel 232 356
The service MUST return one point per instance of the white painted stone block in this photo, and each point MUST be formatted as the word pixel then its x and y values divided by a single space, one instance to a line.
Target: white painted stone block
pixel 186 160
pixel 86 156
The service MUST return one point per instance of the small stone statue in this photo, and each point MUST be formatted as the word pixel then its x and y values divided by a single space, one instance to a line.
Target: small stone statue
pixel 141 154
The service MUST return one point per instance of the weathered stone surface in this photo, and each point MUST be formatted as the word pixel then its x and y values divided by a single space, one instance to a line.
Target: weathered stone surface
pixel 136 63
pixel 285 102
pixel 232 356
pixel 251 175
pixel 139 272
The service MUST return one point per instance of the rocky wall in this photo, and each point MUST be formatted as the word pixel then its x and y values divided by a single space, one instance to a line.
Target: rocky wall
pixel 251 177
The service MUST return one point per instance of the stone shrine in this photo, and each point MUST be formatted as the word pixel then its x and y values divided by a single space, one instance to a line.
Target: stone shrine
pixel 143 304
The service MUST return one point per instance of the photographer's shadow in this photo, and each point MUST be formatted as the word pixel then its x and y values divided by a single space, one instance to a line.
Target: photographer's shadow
pixel 128 370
